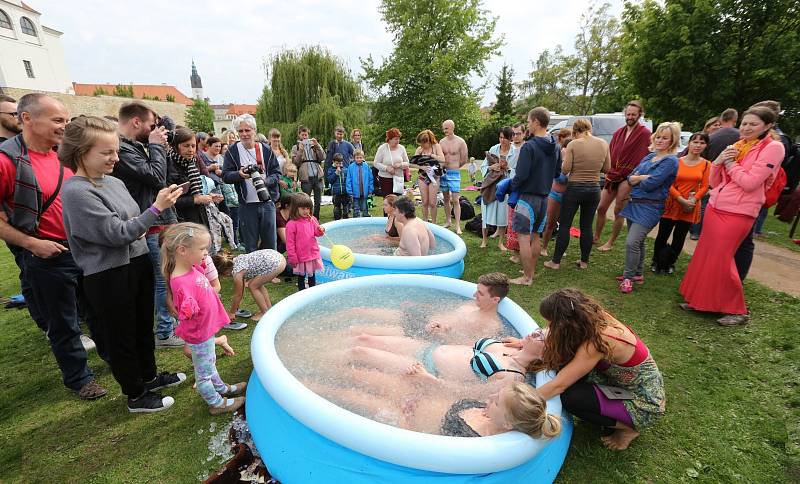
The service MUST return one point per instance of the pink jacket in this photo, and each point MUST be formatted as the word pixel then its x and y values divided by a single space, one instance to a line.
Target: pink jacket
pixel 301 242
pixel 741 188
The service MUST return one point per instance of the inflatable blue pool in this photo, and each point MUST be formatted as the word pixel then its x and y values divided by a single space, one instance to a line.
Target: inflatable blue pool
pixel 448 264
pixel 304 438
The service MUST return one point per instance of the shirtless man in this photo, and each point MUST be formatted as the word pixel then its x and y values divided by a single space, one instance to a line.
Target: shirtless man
pixel 416 238
pixel 455 155
pixel 470 321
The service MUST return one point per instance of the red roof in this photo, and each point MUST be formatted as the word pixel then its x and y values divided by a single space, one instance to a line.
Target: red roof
pixel 239 109
pixel 139 91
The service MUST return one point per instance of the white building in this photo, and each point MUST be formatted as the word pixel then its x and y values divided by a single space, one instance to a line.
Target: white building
pixel 197 83
pixel 31 56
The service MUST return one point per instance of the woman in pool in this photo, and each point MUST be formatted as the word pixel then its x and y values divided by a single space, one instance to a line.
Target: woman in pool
pixel 393 227
pixel 592 351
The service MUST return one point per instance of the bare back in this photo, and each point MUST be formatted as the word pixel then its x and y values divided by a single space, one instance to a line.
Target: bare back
pixel 416 239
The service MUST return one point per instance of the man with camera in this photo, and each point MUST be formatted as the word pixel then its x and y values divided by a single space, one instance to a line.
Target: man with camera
pixel 142 167
pixel 252 168
pixel 308 156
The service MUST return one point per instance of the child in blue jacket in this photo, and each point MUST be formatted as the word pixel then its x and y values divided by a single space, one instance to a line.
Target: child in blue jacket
pixel 337 180
pixel 359 184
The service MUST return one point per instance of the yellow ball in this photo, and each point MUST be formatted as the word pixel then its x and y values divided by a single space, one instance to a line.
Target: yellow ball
pixel 342 257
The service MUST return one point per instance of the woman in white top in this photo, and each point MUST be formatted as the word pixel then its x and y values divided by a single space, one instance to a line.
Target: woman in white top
pixel 390 160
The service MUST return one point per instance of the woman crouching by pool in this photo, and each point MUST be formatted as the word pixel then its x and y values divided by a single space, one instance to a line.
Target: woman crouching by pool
pixel 606 374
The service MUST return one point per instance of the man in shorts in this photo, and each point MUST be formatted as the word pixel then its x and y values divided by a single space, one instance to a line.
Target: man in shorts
pixel 455 156
pixel 538 163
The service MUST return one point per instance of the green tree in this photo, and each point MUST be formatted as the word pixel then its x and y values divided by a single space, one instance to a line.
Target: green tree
pixel 122 91
pixel 596 57
pixel 689 60
pixel 200 116
pixel 549 83
pixel 505 92
pixel 439 44
pixel 298 79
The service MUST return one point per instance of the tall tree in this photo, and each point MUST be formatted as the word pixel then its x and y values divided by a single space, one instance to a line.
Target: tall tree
pixel 549 83
pixel 596 56
pixel 689 60
pixel 439 44
pixel 504 106
pixel 200 116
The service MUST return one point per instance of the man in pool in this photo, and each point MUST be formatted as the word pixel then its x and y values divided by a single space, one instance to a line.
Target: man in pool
pixel 472 320
pixel 416 238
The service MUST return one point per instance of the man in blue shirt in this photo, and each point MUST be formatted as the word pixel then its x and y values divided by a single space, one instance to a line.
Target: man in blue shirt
pixel 538 163
pixel 339 145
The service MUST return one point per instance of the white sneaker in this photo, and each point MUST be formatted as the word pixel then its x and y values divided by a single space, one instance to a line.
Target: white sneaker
pixel 88 343
pixel 171 342
pixel 235 325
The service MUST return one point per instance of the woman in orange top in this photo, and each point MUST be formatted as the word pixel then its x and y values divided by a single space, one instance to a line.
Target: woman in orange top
pixel 682 208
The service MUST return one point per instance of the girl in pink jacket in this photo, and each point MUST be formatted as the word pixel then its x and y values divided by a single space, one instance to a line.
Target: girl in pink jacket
pixel 302 249
pixel 741 174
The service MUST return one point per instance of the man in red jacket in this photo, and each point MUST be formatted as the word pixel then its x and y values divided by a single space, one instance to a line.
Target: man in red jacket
pixel 628 146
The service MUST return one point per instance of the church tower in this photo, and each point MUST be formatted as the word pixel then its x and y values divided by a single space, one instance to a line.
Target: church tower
pixel 197 84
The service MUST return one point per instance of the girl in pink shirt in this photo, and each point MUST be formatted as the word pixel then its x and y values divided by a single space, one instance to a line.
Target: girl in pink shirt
pixel 302 249
pixel 200 312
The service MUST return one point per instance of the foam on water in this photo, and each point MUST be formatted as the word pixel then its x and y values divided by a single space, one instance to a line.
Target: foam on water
pixel 313 344
pixel 372 240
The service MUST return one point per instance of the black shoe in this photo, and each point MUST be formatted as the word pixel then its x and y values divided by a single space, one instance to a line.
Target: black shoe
pixel 164 380
pixel 149 402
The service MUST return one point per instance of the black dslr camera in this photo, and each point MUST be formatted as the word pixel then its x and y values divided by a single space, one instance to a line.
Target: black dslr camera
pixel 169 125
pixel 258 182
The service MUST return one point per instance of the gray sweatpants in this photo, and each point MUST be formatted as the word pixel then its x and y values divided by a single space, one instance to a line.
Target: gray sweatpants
pixel 634 250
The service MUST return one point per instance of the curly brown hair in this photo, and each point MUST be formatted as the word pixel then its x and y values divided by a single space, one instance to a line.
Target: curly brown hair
pixel 575 319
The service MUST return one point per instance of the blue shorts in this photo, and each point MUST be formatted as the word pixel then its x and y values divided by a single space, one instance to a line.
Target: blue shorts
pixel 451 181
pixel 530 215
pixel 425 356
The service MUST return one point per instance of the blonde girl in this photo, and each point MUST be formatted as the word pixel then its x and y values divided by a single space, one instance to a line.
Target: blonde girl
pixel 288 182
pixel 200 311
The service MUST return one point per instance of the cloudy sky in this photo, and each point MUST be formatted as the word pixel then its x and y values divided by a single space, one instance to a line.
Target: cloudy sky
pixel 153 42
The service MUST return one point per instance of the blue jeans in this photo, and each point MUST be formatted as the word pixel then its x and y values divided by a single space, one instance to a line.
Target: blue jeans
pixel 164 320
pixel 234 214
pixel 360 207
pixel 257 226
pixel 54 290
pixel 762 216
pixel 25 288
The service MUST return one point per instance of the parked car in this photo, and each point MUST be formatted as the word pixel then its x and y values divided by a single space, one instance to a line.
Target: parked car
pixel 603 125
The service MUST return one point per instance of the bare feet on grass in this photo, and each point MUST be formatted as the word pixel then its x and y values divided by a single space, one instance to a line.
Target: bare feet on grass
pixel 483 244
pixel 606 247
pixel 501 247
pixel 620 439
pixel 552 265
pixel 521 281
pixel 222 341
pixel 256 316
pixel 514 259
pixel 543 253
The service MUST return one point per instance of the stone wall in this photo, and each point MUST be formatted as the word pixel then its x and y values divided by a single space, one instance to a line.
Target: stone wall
pixel 102 105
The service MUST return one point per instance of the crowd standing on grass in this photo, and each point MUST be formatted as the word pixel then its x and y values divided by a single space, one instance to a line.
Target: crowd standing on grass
pixel 114 223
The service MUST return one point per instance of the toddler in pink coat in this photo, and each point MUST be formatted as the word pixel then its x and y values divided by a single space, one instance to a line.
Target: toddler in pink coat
pixel 302 249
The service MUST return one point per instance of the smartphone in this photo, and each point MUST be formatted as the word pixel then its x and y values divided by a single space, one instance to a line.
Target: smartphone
pixel 615 393
pixel 183 187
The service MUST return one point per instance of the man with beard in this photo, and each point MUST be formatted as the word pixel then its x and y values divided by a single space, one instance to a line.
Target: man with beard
pixel 10 125
pixel 142 166
pixel 31 177
pixel 628 146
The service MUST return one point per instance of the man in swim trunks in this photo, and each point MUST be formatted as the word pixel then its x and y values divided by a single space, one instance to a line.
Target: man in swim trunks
pixel 416 238
pixel 455 156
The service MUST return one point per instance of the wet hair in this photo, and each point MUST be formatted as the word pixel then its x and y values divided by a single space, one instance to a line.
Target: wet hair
pixel 183 234
pixel 358 153
pixel 580 126
pixel 182 135
pixel 710 121
pixel 575 319
pixel 79 137
pixel 540 114
pixel 674 129
pixel 506 132
pixel 636 104
pixel 406 206
pixel 391 199
pixel 299 200
pixel 526 412
pixel 223 262
pixel 426 136
pixel 393 133
pixel 729 115
pixel 497 282
pixel 699 134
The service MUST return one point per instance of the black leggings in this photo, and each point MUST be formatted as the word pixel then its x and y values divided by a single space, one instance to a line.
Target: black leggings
pixel 581 400
pixel 678 229
pixel 301 281
pixel 585 197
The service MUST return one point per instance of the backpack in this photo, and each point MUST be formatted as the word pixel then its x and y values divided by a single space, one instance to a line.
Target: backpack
pixel 467 210
pixel 773 192
pixel 475 225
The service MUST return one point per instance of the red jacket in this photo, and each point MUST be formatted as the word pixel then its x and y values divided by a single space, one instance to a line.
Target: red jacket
pixel 741 188
pixel 301 242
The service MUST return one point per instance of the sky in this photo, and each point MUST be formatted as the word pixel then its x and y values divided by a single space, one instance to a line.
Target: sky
pixel 154 42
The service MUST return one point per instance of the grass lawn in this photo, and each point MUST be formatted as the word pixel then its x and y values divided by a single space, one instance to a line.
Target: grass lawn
pixel 733 409
pixel 777 233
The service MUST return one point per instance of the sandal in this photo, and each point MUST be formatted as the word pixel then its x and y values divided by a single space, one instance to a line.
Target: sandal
pixel 91 391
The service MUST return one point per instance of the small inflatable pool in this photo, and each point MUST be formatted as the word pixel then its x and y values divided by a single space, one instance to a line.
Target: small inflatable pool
pixel 305 438
pixel 447 264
